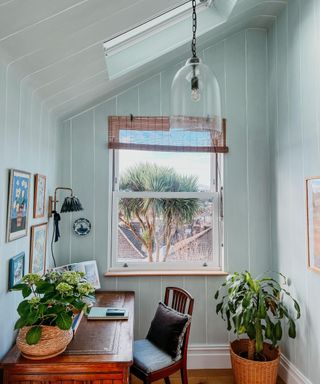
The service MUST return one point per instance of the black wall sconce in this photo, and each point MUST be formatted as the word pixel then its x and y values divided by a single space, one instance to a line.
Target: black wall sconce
pixel 70 204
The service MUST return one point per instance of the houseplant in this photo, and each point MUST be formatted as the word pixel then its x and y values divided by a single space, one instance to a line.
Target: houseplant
pixel 257 308
pixel 47 311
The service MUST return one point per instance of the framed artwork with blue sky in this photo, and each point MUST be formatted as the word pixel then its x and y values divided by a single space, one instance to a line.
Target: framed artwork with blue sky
pixel 16 269
pixel 18 204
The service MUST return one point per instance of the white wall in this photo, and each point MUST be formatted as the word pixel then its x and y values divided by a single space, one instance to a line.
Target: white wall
pixel 240 63
pixel 294 70
pixel 27 142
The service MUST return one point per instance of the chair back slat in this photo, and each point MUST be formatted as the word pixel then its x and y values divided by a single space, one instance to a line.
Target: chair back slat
pixel 179 299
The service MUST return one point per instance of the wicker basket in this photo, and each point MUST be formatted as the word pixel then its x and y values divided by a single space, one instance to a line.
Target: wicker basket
pixel 53 342
pixel 254 372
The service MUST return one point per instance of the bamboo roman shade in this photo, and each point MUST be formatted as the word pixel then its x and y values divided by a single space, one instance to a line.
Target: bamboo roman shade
pixel 158 133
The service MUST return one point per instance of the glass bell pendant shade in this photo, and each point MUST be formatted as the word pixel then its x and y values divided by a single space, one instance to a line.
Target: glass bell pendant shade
pixel 195 92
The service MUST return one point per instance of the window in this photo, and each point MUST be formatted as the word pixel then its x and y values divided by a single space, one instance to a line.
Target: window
pixel 165 210
pixel 164 194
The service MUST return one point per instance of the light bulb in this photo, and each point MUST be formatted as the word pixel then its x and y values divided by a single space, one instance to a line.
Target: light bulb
pixel 195 91
pixel 195 94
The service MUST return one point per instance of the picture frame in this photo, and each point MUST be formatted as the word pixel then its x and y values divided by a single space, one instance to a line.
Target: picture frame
pixel 312 185
pixel 39 199
pixel 18 204
pixel 89 268
pixel 16 269
pixel 38 248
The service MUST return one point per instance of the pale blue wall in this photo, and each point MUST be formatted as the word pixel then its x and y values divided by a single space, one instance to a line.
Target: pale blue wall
pixel 240 63
pixel 294 70
pixel 27 142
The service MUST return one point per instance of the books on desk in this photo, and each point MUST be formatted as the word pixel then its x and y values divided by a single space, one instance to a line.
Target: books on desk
pixel 108 313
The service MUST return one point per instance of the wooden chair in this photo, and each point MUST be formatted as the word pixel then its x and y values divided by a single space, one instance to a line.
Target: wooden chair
pixel 181 301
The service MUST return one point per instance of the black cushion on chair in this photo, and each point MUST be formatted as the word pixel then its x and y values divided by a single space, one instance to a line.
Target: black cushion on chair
pixel 167 330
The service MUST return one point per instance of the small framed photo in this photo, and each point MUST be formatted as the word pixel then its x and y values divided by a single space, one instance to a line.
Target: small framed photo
pixel 38 249
pixel 18 204
pixel 39 195
pixel 313 222
pixel 89 268
pixel 16 269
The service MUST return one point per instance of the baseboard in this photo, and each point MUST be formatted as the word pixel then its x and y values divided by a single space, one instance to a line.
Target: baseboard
pixel 209 357
pixel 218 357
pixel 290 374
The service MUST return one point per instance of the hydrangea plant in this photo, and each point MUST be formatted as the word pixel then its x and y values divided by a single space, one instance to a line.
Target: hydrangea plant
pixel 51 299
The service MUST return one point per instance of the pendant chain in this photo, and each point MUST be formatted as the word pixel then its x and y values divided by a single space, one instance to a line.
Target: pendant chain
pixel 194 29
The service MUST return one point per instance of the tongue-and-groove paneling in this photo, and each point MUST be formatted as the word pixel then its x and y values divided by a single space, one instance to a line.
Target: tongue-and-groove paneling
pixel 240 63
pixel 27 142
pixel 294 78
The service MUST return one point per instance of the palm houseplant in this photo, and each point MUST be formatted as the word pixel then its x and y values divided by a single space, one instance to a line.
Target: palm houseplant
pixel 50 303
pixel 256 308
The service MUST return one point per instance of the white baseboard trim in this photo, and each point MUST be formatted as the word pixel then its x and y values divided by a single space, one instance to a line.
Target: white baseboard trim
pixel 218 357
pixel 290 374
pixel 209 357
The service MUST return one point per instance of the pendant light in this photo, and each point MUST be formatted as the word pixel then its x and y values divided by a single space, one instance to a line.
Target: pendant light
pixel 195 90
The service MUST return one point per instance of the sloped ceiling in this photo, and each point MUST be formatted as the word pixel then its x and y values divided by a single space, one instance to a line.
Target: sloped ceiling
pixel 56 45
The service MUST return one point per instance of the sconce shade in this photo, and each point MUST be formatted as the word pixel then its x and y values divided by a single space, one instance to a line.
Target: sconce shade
pixel 71 204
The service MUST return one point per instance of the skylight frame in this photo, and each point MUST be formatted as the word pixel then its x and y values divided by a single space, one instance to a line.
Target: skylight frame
pixel 150 27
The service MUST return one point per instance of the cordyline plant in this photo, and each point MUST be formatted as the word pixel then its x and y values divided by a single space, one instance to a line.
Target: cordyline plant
pixel 55 298
pixel 256 308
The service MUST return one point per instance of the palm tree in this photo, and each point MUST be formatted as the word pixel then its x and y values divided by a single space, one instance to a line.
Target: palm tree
pixel 158 218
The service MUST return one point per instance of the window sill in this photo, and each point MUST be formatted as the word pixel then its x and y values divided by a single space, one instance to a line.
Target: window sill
pixel 117 273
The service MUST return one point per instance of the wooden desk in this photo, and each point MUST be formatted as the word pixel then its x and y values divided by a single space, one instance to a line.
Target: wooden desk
pixel 100 352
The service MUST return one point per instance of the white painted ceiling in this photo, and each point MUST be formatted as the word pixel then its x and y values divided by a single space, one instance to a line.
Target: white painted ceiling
pixel 56 45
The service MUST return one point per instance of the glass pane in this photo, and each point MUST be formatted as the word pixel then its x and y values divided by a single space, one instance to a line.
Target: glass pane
pixel 165 230
pixel 164 171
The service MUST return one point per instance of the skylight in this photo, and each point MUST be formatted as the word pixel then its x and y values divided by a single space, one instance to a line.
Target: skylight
pixel 155 25
pixel 161 35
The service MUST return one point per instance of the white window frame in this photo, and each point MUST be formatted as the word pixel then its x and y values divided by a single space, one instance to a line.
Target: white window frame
pixel 115 195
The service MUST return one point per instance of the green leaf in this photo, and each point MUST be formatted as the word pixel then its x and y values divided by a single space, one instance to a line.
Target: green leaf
pixel 64 321
pixel 251 331
pixel 261 308
pixel 228 320
pixel 269 329
pixel 19 323
pixel 44 287
pixel 292 329
pixel 278 330
pixel 216 295
pixel 32 317
pixel 23 308
pixel 218 307
pixel 247 317
pixel 297 308
pixel 247 299
pixel 33 335
pixel 19 287
pixel 26 291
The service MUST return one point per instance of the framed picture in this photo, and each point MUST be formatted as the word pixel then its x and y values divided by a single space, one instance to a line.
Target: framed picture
pixel 39 195
pixel 18 204
pixel 38 249
pixel 313 222
pixel 16 269
pixel 89 268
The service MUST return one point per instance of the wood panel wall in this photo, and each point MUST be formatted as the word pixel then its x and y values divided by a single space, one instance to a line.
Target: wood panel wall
pixel 240 63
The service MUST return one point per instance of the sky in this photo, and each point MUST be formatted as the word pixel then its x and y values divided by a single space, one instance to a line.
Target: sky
pixel 195 164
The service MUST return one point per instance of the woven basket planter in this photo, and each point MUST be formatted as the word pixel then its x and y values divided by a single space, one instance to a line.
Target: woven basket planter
pixel 254 372
pixel 53 342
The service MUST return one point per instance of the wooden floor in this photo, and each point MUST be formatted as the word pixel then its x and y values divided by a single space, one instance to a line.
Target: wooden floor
pixel 202 376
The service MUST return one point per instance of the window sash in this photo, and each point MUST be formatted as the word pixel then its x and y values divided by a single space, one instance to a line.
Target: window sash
pixel 114 194
pixel 141 265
